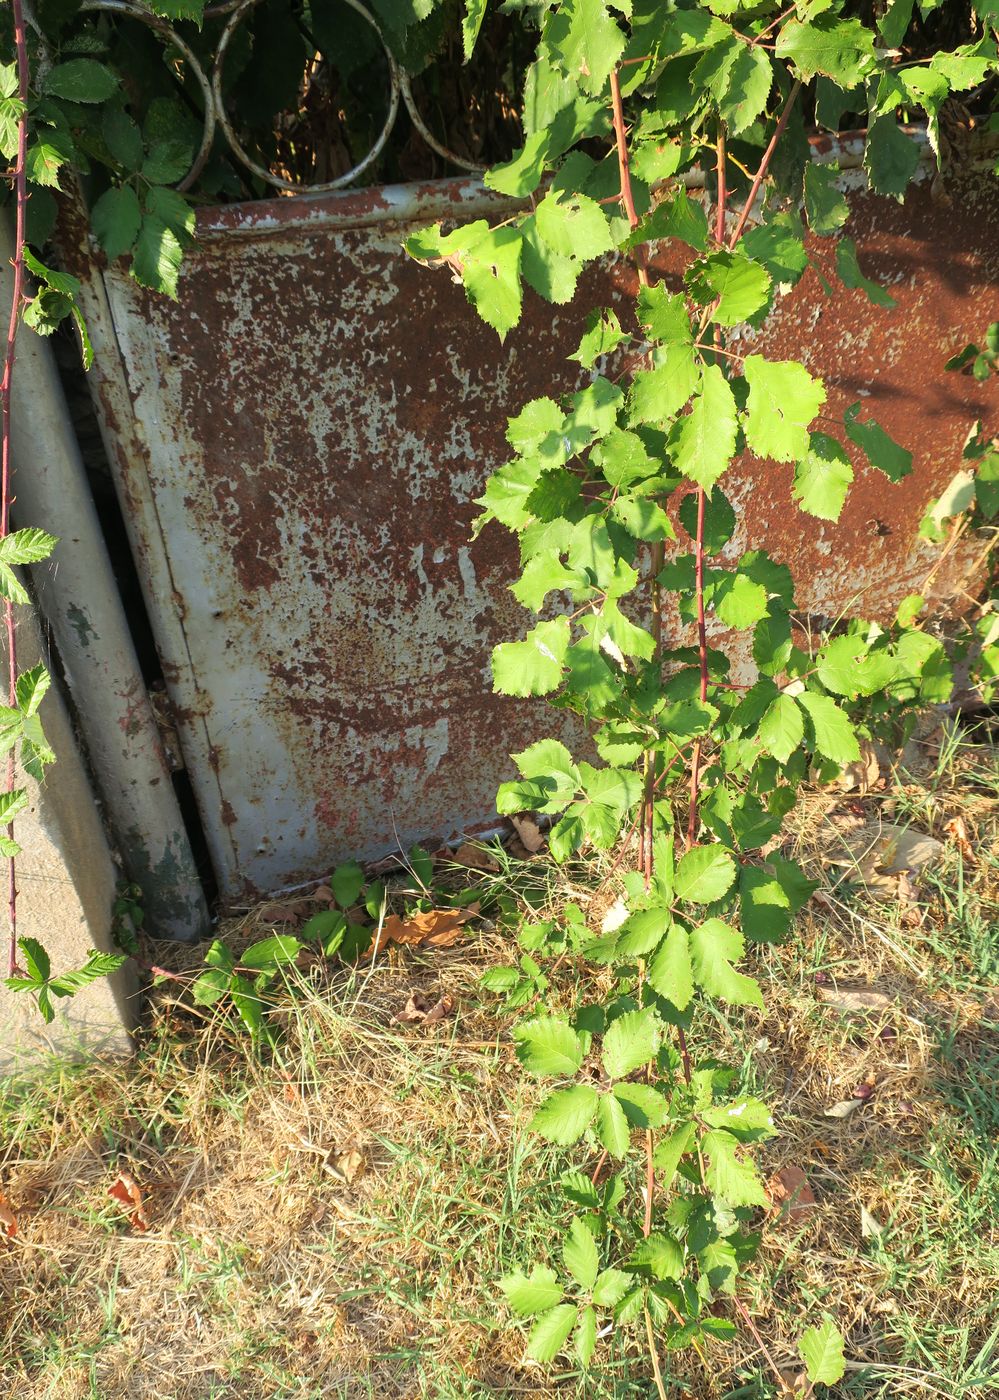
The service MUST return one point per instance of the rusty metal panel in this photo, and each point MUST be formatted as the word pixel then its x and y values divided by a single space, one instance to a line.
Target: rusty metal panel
pixel 299 442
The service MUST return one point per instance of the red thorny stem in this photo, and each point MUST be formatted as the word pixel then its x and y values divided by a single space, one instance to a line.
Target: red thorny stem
pixel 21 193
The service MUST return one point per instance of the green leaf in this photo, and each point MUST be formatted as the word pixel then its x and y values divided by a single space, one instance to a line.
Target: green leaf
pixel 783 400
pixel 644 1106
pixel 27 546
pixel 48 152
pixel 841 49
pixel 180 9
pixel 210 986
pixel 727 1175
pixel 782 728
pixel 219 955
pixel 659 1255
pixel 579 1254
pixel 116 219
pixel 528 1296
pixel 157 257
pixel 31 688
pixel 847 666
pixel 890 157
pixel 574 226
pixel 881 450
pixel 566 1114
pixel 631 1041
pixel 822 1352
pixel 271 953
pixel 548 1045
pixel 742 97
pixel 11 111
pixel 491 275
pixel 98 965
pixel 34 954
pixel 834 734
pixel 248 1004
pixel 585 1340
pixel 719 520
pixel 705 438
pixel 779 246
pixel 851 276
pixel 533 666
pixel 173 209
pixel 825 205
pixel 123 138
pixel 602 336
pixel 663 316
pixel 741 286
pixel 738 600
pixel 549 1333
pixel 612 1128
pixel 714 946
pixel 347 882
pixel 704 874
pixel 746 1118
pixel 822 477
pixel 610 1287
pixel 666 1157
pixel 588 41
pixel 670 973
pixel 471 23
pixel 81 80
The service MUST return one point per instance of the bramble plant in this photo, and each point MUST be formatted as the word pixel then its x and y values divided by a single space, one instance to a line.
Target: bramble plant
pixel 623 103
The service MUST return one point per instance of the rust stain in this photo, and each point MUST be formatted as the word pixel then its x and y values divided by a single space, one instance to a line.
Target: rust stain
pixel 319 414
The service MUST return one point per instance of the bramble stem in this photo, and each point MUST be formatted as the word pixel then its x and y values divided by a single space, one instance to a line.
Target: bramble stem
pixel 17 294
pixel 761 174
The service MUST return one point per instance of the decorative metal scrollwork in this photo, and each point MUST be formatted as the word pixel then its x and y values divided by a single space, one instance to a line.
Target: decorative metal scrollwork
pixel 216 117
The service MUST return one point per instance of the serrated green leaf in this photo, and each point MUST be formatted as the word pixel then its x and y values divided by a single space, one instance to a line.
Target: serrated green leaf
pixel 588 41
pixel 659 1255
pixel 714 946
pixel 729 1176
pixel 644 1107
pixel 547 1045
pixel 574 226
pixel 745 1118
pixel 825 206
pixel 157 256
pixel 670 973
pixel 612 1128
pixel 529 1295
pixel 719 519
pixel 566 1114
pixel 533 666
pixel 585 1339
pixel 822 1352
pixel 706 436
pixel 828 44
pixel 116 219
pixel 81 80
pixel 631 1041
pixel 31 689
pixel 550 1332
pixel 741 286
pixel 580 1256
pixel 834 734
pixel 783 400
pixel 36 957
pixel 270 953
pixel 491 276
pixel 891 158
pixel 27 546
pixel 210 987
pixel 822 477
pixel 782 728
pixel 881 450
pixel 704 874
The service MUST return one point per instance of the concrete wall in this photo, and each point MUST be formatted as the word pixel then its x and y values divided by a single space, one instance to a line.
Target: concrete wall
pixel 66 881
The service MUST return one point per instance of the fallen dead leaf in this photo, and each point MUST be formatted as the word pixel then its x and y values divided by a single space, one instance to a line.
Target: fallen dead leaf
pixel 345 1166
pixel 795 1384
pixel 790 1192
pixel 844 1109
pixel 324 895
pixel 8 1220
pixel 281 913
pixel 420 1011
pixel 125 1190
pixel 862 774
pixel 869 1227
pixel 430 928
pixel 879 854
pixel 957 830
pixel 530 834
pixel 853 998
pixel 474 858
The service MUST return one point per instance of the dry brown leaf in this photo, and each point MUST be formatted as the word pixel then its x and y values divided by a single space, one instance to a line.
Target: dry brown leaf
pixel 861 775
pixel 345 1166
pixel 795 1384
pixel 8 1220
pixel 869 1227
pixel 474 858
pixel 844 1109
pixel 280 913
pixel 430 928
pixel 957 830
pixel 324 895
pixel 420 1011
pixel 125 1190
pixel 790 1192
pixel 853 998
pixel 531 836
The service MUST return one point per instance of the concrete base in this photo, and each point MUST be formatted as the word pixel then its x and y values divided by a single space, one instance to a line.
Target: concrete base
pixel 66 881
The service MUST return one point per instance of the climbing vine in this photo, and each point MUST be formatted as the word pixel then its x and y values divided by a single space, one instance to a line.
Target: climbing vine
pixel 616 495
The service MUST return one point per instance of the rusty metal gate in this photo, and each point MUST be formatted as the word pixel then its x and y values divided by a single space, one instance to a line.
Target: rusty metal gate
pixel 297 446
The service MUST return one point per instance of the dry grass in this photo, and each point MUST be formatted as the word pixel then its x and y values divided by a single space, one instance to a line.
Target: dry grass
pixel 271 1270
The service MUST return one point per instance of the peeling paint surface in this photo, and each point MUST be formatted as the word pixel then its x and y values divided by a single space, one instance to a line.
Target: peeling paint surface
pixel 308 429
